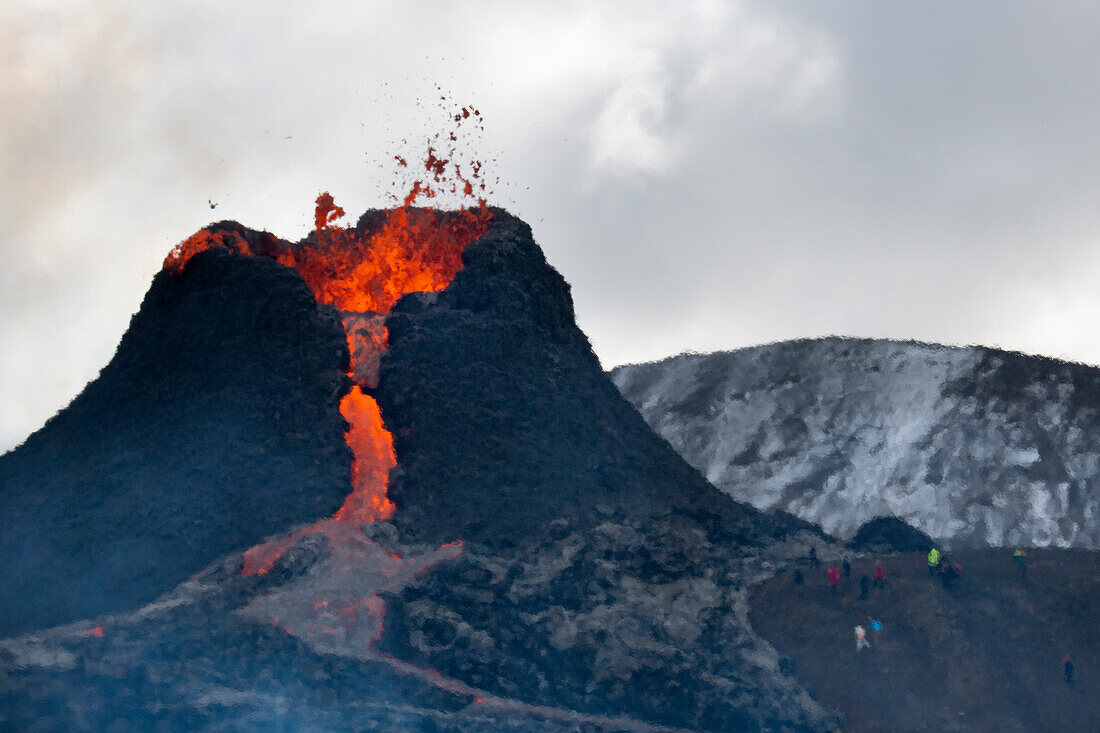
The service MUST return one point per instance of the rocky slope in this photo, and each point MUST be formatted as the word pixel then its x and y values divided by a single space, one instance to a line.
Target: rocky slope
pixel 215 424
pixel 201 659
pixel 600 573
pixel 973 446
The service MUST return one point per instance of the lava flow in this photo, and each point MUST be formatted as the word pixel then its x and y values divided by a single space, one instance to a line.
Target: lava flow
pixel 363 271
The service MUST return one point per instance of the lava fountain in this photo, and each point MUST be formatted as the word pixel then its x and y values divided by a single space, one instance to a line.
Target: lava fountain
pixel 362 271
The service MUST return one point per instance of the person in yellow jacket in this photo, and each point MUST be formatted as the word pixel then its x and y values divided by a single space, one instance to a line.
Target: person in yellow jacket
pixel 933 561
pixel 1019 557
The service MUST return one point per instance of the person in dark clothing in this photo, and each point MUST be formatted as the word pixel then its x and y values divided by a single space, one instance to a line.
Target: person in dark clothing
pixel 814 562
pixel 847 566
pixel 947 575
pixel 1068 665
pixel 798 577
pixel 880 582
pixel 864 587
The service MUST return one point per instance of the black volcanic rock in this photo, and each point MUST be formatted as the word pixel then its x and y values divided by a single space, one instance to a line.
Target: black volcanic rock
pixel 600 573
pixel 215 424
pixel 890 534
pixel 503 419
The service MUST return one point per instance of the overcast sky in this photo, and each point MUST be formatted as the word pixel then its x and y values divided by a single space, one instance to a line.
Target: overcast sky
pixel 707 175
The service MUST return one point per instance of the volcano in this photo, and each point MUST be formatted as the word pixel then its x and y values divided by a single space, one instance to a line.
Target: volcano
pixel 377 479
pixel 436 433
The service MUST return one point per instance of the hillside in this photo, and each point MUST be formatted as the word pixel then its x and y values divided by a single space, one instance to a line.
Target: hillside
pixel 973 446
pixel 215 424
pixel 984 656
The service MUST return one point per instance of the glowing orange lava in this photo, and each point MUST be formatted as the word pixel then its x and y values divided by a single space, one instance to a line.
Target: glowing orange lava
pixel 372 446
pixel 363 271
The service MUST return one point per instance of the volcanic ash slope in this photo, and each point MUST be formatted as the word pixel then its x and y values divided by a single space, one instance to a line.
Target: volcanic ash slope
pixel 974 446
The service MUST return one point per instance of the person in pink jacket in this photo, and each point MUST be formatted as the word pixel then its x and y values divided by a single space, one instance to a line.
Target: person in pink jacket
pixel 834 578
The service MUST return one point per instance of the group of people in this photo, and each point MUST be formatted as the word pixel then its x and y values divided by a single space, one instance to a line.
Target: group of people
pixel 939 565
pixel 865 584
pixel 833 575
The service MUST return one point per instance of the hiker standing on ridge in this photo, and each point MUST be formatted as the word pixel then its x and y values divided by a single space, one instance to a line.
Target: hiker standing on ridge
pixel 814 562
pixel 847 565
pixel 933 562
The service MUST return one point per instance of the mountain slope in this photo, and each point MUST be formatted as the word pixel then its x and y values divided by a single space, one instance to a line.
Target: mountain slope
pixel 973 446
pixel 600 573
pixel 214 425
pixel 503 419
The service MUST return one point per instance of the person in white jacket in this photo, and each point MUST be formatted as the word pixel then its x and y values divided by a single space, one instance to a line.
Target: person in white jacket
pixel 861 638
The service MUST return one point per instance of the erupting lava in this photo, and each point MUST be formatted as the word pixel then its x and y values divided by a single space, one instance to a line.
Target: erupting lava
pixel 372 446
pixel 363 271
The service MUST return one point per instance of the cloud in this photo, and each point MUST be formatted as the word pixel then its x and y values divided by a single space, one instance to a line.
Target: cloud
pixel 706 174
pixel 710 57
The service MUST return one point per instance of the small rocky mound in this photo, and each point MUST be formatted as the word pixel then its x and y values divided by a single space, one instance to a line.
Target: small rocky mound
pixel 215 425
pixel 890 534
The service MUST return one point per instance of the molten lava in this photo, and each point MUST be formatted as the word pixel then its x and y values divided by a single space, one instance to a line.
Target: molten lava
pixel 372 446
pixel 363 271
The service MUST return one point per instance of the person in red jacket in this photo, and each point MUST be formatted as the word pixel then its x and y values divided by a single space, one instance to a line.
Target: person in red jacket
pixel 834 578
pixel 880 582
